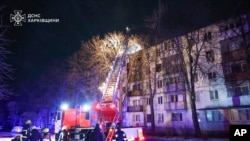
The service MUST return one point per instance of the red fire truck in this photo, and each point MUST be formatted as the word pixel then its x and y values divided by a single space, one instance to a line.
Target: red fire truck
pixel 79 121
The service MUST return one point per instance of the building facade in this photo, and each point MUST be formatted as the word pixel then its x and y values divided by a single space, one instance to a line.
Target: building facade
pixel 215 59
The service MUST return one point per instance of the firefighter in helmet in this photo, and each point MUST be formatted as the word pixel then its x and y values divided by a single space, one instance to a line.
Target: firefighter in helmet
pixel 119 134
pixel 26 131
pixel 46 135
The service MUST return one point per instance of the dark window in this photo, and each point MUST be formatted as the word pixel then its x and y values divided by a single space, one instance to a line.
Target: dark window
pixel 159 83
pixel 148 117
pixel 160 100
pixel 214 95
pixel 173 98
pixel 148 101
pixel 211 75
pixel 176 116
pixel 207 36
pixel 210 56
pixel 124 89
pixel 137 87
pixel 158 52
pixel 158 67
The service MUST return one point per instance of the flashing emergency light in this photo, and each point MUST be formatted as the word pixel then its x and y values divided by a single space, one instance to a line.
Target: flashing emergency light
pixel 64 106
pixel 112 106
pixel 86 107
pixel 97 106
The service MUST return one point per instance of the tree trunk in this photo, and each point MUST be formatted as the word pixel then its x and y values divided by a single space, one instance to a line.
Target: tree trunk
pixel 194 115
pixel 152 114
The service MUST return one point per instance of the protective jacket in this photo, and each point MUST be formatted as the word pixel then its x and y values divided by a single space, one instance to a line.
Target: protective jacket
pixel 26 132
pixel 46 137
pixel 35 135
pixel 97 135
pixel 120 135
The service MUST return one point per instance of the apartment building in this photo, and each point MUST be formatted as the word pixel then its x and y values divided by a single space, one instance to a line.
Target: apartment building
pixel 217 57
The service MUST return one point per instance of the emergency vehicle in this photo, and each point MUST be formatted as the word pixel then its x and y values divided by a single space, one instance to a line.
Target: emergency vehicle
pixel 78 121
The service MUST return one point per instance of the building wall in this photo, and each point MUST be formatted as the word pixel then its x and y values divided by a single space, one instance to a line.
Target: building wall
pixel 216 109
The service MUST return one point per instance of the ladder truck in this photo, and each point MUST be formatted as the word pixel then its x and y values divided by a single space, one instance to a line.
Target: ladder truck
pixel 107 110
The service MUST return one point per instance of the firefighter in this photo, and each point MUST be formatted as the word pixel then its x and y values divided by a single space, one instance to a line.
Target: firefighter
pixel 35 135
pixel 26 131
pixel 119 134
pixel 46 135
pixel 63 134
pixel 97 134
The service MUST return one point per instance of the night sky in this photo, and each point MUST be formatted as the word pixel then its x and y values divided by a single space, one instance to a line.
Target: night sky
pixel 36 45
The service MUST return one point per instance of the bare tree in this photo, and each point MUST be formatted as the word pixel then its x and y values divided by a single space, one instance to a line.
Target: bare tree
pixel 186 53
pixel 5 68
pixel 94 61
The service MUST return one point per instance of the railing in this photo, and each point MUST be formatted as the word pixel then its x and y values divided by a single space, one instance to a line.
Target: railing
pixel 180 105
pixel 138 108
pixel 135 93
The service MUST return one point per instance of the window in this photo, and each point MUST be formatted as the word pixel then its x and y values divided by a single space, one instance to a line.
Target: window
pixel 197 96
pixel 214 95
pixel 238 67
pixel 158 52
pixel 160 100
pixel 148 101
pixel 214 116
pixel 210 56
pixel 240 114
pixel 137 87
pixel 235 46
pixel 136 102
pixel 158 67
pixel 176 116
pixel 238 91
pixel 160 118
pixel 207 36
pixel 148 117
pixel 136 118
pixel 211 75
pixel 159 84
pixel 124 89
pixel 167 45
pixel 173 98
pixel 224 46
pixel 148 85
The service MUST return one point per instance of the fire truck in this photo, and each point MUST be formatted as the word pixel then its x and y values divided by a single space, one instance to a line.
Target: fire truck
pixel 79 122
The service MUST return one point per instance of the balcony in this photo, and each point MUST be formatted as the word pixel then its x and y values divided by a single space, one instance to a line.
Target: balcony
pixel 181 105
pixel 138 108
pixel 135 93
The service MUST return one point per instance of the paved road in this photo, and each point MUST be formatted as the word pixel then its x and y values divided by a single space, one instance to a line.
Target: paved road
pixel 182 139
pixel 6 136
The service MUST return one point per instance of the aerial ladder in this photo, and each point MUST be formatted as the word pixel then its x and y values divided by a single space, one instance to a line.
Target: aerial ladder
pixel 108 108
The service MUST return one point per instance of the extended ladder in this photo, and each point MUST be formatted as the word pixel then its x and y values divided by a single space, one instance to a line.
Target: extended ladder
pixel 112 129
pixel 111 91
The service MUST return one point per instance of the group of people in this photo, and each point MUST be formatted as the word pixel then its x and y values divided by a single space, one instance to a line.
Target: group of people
pixel 98 135
pixel 33 134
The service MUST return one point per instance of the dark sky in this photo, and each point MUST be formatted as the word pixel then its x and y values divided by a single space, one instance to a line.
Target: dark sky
pixel 36 45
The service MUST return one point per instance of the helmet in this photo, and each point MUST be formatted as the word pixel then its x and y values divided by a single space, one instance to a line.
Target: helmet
pixel 45 130
pixel 28 122
pixel 64 127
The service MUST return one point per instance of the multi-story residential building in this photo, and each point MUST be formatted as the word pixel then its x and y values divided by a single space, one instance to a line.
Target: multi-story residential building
pixel 221 80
